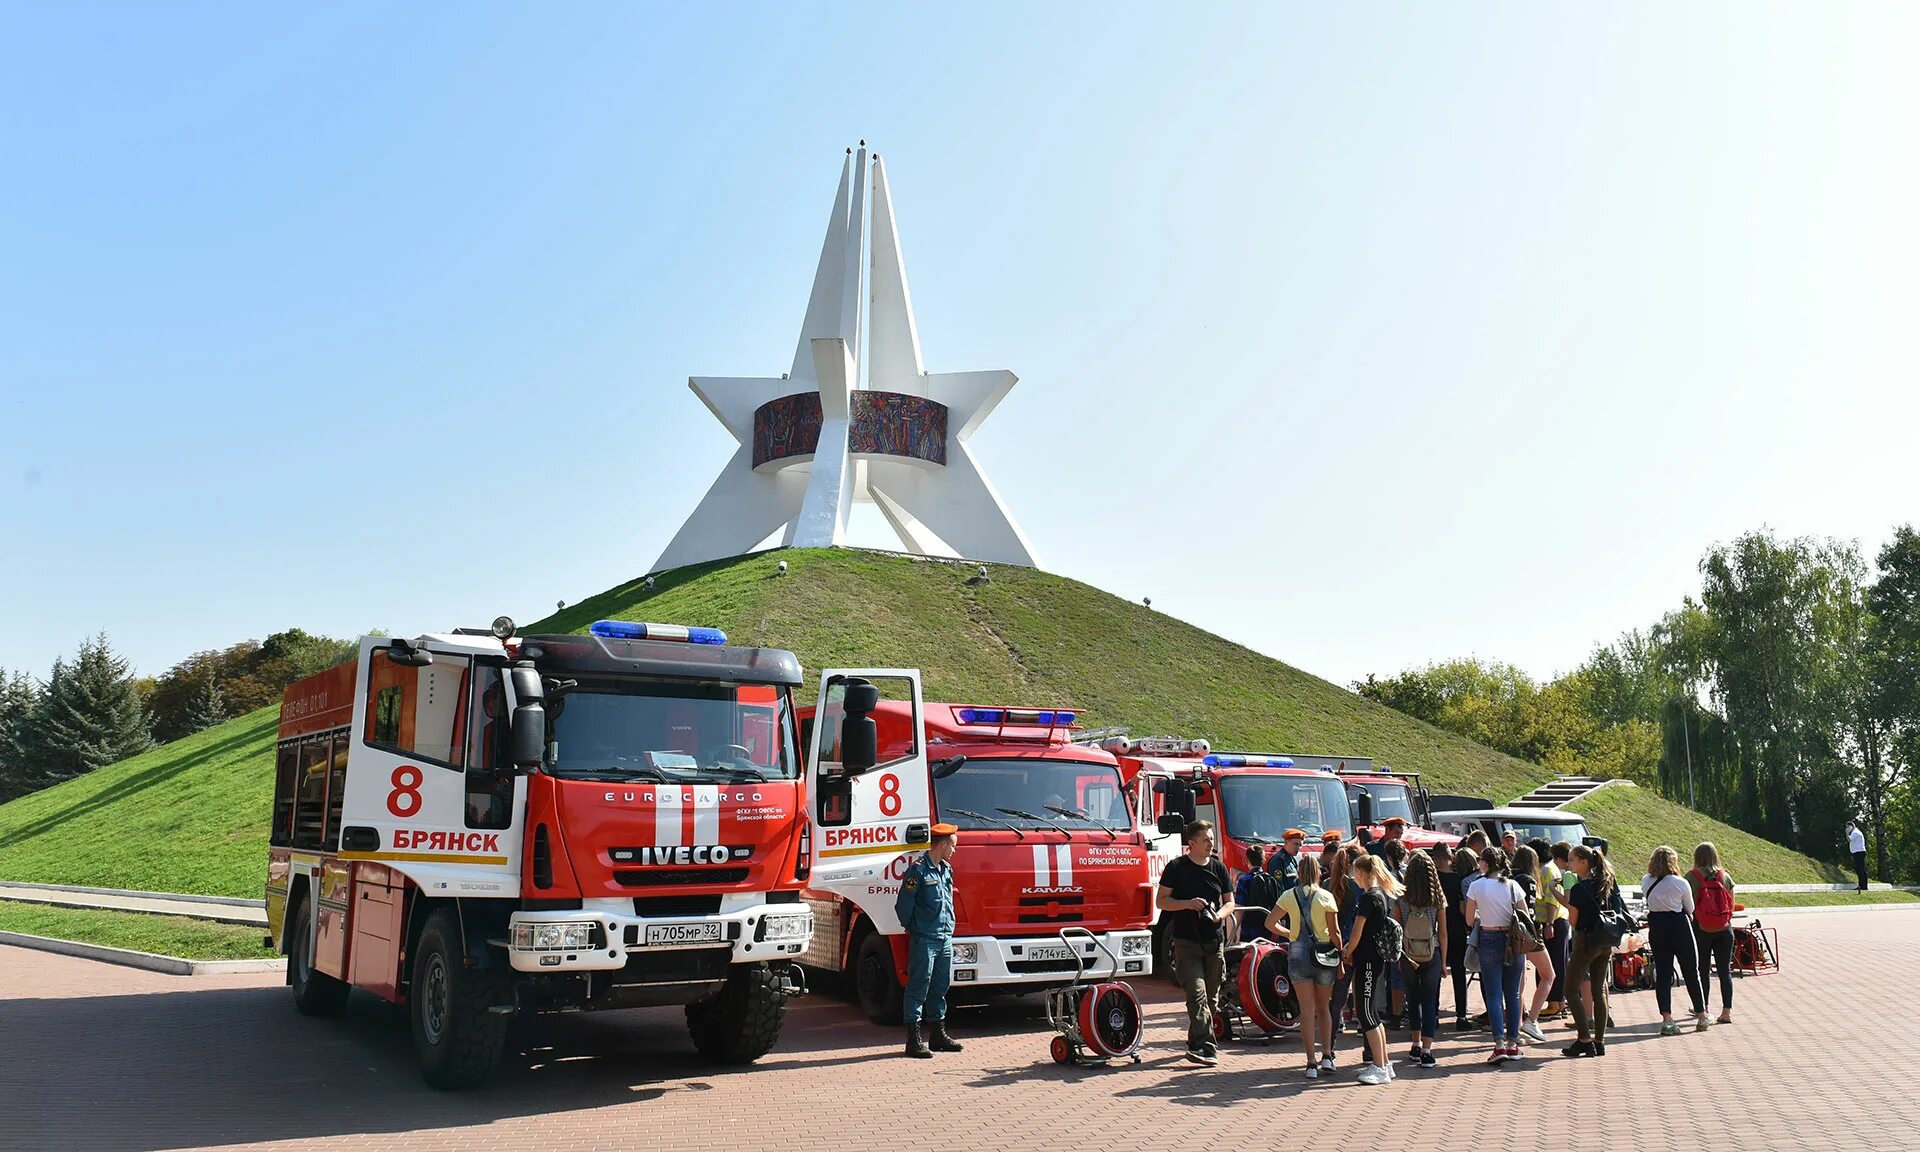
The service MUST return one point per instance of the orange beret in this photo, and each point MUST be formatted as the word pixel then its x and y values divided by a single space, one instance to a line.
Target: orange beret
pixel 1393 820
pixel 1293 834
pixel 945 829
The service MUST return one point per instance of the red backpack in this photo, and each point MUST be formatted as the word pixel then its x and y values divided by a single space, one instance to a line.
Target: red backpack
pixel 1714 910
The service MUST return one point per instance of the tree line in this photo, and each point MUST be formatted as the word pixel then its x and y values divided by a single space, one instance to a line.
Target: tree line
pixel 1783 699
pixel 92 711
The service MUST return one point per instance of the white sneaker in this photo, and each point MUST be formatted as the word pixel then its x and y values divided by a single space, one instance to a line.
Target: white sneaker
pixel 1372 1075
pixel 1313 1071
pixel 1326 1064
pixel 1532 1032
pixel 1388 1069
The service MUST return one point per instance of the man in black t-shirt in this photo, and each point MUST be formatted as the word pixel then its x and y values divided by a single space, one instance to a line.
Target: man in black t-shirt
pixel 1197 897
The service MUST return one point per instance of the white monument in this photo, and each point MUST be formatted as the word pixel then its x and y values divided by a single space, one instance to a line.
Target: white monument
pixel 816 441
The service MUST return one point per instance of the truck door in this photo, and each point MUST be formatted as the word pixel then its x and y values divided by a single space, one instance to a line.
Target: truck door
pixel 863 824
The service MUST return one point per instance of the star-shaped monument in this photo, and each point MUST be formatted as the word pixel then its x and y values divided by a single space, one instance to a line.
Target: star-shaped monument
pixel 815 442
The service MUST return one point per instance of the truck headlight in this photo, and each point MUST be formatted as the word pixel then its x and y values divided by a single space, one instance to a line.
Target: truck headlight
pixel 552 937
pixel 1136 945
pixel 966 953
pixel 788 926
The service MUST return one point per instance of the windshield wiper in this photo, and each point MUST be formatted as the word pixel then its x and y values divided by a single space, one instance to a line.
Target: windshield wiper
pixel 1057 826
pixel 1087 816
pixel 985 819
pixel 613 772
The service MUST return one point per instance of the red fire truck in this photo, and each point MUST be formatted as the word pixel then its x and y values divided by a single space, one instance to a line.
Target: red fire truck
pixel 1377 792
pixel 475 825
pixel 1048 838
pixel 1250 798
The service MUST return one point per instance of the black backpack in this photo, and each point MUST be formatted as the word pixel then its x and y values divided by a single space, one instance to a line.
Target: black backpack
pixel 1263 891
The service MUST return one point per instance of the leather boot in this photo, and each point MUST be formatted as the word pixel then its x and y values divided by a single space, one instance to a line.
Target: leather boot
pixel 940 1041
pixel 917 1047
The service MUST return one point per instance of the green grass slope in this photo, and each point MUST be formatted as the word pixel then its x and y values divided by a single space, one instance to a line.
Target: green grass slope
pixel 1635 821
pixel 191 816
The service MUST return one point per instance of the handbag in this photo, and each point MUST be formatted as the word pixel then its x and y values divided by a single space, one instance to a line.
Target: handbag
pixel 1523 934
pixel 1325 955
pixel 1615 921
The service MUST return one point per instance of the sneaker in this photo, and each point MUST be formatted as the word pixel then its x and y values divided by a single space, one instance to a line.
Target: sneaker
pixel 1514 1052
pixel 1669 1029
pixel 1463 1025
pixel 1427 1060
pixel 1413 1057
pixel 1372 1075
pixel 1210 1050
pixel 1499 1055
pixel 1326 1063
pixel 1532 1032
pixel 1313 1071
pixel 1388 1069
pixel 1701 1023
pixel 1199 1056
pixel 1599 1047
pixel 1578 1048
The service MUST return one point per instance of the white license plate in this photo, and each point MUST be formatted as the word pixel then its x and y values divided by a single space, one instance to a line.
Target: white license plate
pixel 1049 952
pixel 712 932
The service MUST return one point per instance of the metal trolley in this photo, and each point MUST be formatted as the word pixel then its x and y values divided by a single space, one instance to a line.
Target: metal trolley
pixel 1096 1021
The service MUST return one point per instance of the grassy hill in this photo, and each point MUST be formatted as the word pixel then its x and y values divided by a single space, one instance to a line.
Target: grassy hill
pixel 191 816
pixel 1636 821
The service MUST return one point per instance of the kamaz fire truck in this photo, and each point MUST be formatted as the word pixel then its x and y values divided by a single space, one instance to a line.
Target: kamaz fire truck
pixel 1376 793
pixel 1250 798
pixel 475 825
pixel 1048 838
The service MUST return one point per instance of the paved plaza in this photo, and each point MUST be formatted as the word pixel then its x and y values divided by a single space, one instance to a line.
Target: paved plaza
pixel 100 1057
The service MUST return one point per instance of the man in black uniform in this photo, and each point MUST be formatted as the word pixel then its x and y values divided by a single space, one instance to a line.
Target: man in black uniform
pixel 1196 893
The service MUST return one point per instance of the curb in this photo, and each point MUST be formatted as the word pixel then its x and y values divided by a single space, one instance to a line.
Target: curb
pixel 254 920
pixel 234 901
pixel 129 958
pixel 1763 912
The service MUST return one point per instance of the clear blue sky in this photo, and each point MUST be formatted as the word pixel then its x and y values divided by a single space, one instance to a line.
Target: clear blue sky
pixel 1363 335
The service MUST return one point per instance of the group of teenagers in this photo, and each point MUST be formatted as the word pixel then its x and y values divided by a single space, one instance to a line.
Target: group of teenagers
pixel 1378 928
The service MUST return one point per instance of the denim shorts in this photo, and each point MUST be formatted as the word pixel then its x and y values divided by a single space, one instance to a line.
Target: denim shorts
pixel 1302 969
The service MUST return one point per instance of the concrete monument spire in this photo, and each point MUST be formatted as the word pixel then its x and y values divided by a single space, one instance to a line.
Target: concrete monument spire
pixel 815 442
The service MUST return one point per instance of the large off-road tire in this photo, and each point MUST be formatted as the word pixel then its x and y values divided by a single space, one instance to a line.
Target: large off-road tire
pixel 875 980
pixel 314 992
pixel 456 1039
pixel 742 1022
pixel 1163 952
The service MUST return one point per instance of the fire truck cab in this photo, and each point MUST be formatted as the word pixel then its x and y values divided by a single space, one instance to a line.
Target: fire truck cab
pixel 474 826
pixel 1250 798
pixel 1048 839
pixel 1376 792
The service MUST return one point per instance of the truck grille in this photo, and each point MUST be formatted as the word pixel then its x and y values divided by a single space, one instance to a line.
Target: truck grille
pixel 687 966
pixel 676 905
pixel 673 877
pixel 1035 967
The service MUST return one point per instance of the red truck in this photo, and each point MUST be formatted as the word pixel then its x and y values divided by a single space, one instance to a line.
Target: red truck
pixel 1048 839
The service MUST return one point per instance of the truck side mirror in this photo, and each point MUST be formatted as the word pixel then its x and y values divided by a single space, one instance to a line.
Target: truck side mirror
pixel 527 742
pixel 1363 806
pixel 1179 800
pixel 859 736
pixel 1170 824
pixel 834 804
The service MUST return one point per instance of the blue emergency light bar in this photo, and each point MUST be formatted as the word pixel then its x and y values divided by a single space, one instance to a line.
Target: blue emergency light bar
pixel 1043 717
pixel 1218 761
pixel 628 630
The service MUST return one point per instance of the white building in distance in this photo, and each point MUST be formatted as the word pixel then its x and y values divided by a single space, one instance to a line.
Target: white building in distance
pixel 815 442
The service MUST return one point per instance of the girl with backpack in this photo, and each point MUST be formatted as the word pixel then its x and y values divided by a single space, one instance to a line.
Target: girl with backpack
pixel 1373 946
pixel 1308 919
pixel 1527 874
pixel 1590 901
pixel 1453 883
pixel 1494 902
pixel 1423 918
pixel 1670 930
pixel 1713 925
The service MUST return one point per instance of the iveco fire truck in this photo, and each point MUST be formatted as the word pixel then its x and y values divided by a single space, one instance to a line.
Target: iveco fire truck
pixel 1048 838
pixel 476 825
pixel 1250 798
pixel 1375 793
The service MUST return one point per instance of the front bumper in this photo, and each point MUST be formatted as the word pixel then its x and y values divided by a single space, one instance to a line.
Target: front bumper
pixel 614 935
pixel 989 960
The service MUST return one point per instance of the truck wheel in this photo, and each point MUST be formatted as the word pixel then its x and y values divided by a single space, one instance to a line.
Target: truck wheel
pixel 456 1039
pixel 742 1022
pixel 314 993
pixel 876 981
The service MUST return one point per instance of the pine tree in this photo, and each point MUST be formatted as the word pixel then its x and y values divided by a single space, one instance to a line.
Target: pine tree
pixel 207 707
pixel 90 716
pixel 19 698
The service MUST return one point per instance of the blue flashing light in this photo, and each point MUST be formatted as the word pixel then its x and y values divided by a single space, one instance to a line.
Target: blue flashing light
pixel 629 630
pixel 1216 760
pixel 1043 717
pixel 981 716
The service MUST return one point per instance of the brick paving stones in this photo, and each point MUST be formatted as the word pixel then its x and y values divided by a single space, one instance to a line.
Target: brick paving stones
pixel 98 1057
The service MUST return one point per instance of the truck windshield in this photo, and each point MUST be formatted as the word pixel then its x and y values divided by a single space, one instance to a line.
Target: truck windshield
pixel 1038 787
pixel 1390 798
pixel 630 728
pixel 1264 806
